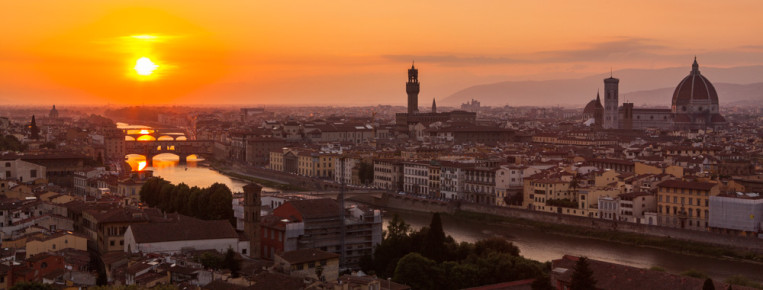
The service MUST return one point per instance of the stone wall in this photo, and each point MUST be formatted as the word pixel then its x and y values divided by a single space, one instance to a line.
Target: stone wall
pixel 422 205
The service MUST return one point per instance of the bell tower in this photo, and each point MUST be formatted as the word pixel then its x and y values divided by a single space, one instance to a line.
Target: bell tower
pixel 611 103
pixel 252 206
pixel 412 88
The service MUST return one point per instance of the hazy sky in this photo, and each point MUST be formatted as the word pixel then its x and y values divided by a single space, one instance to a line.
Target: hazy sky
pixel 347 52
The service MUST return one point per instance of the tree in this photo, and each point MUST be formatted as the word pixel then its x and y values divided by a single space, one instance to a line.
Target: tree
pixel 397 228
pixel 416 271
pixel 211 260
pixel 231 263
pixel 582 277
pixel 434 241
pixel 709 285
pixel 495 244
pixel 366 172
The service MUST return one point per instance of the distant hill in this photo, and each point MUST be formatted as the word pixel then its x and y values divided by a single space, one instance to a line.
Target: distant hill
pixel 640 86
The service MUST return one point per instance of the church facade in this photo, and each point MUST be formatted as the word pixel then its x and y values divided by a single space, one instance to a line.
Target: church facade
pixel 694 106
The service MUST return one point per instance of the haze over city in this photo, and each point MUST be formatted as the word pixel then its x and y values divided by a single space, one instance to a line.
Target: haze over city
pixel 345 53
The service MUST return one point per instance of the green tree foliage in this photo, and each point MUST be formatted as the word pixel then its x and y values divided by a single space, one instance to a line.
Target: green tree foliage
pixel 403 254
pixel 434 242
pixel 32 286
pixel 708 285
pixel 232 263
pixel 212 260
pixel 417 271
pixel 582 277
pixel 11 143
pixel 212 203
pixel 366 172
pixel 495 244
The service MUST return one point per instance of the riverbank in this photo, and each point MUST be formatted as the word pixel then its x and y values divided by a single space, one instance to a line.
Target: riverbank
pixel 590 230
pixel 255 179
pixel 625 238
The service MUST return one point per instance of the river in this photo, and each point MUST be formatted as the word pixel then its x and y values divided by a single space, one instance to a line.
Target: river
pixel 167 166
pixel 543 246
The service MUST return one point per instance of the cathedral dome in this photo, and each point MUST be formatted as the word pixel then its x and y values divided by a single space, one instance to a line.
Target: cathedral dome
pixel 695 89
pixel 592 106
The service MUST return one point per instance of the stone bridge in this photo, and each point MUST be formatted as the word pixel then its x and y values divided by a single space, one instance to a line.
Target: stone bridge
pixel 151 134
pixel 181 148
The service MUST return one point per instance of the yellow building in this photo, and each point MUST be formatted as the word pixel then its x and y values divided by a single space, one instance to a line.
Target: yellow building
pixel 325 167
pixel 684 204
pixel 538 191
pixel 307 163
pixel 55 242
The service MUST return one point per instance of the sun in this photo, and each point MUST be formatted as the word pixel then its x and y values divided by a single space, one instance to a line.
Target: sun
pixel 144 66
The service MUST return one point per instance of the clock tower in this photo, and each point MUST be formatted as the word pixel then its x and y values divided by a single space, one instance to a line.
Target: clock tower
pixel 412 88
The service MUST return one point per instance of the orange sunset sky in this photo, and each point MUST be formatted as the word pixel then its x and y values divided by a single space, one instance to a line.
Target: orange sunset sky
pixel 347 52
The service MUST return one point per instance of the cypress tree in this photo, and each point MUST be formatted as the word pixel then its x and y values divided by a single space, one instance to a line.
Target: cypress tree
pixel 582 278
pixel 434 241
pixel 709 285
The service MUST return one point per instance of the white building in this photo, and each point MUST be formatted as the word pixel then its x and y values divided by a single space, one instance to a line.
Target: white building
pixel 416 178
pixel 349 164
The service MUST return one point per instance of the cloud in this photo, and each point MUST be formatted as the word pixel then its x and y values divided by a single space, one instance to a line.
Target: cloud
pixel 451 59
pixel 625 48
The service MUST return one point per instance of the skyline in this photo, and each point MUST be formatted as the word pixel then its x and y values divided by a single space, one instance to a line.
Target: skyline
pixel 347 53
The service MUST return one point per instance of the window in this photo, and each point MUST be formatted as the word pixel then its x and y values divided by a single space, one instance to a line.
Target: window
pixel 33 173
pixel 53 246
pixel 111 243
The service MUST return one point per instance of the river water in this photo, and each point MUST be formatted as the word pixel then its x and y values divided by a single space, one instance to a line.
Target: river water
pixel 167 166
pixel 543 246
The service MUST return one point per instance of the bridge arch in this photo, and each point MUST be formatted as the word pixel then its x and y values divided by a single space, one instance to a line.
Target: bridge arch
pixel 146 138
pixel 134 160
pixel 165 138
pixel 181 138
pixel 129 138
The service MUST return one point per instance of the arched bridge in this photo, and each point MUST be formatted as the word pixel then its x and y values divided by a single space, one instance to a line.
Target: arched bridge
pixel 180 148
pixel 151 134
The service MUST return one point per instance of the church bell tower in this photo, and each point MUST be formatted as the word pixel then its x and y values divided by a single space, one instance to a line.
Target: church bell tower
pixel 412 88
pixel 611 103
pixel 252 206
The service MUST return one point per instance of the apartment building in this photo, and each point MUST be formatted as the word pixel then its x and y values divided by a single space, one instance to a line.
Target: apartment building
pixel 684 204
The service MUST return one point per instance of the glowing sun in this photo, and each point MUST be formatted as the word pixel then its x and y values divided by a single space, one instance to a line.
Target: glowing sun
pixel 145 66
